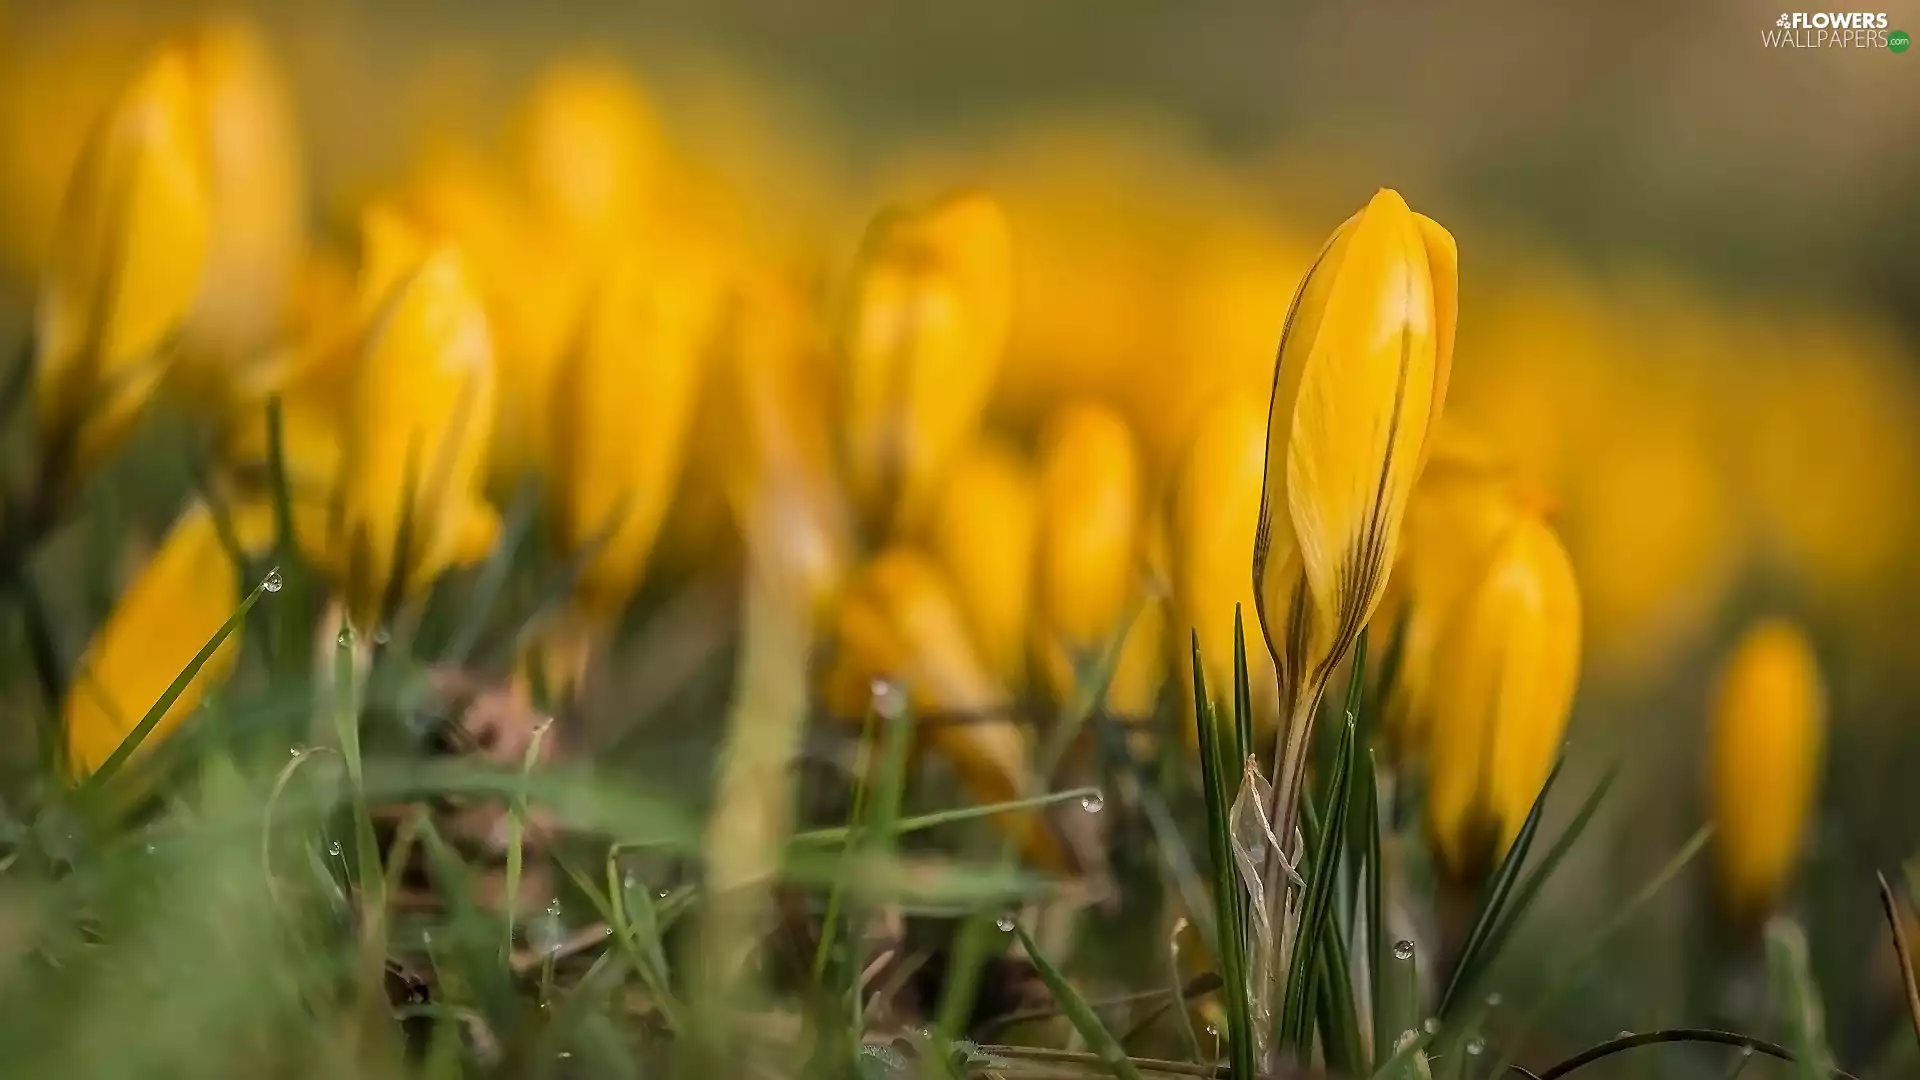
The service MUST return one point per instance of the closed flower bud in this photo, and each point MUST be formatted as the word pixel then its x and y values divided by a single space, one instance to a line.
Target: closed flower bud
pixel 125 266
pixel 413 456
pixel 984 530
pixel 258 202
pixel 173 607
pixel 1216 509
pixel 1764 759
pixel 898 622
pixel 589 149
pixel 1090 569
pixel 1359 383
pixel 1503 683
pixel 920 341
pixel 623 402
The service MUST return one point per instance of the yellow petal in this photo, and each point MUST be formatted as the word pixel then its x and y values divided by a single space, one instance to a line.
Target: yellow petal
pixel 1503 684
pixel 126 264
pixel 171 610
pixel 984 530
pixel 1765 752
pixel 623 403
pixel 590 149
pixel 1089 569
pixel 1443 265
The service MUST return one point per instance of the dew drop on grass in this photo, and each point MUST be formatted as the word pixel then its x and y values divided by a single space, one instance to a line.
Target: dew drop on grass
pixel 381 636
pixel 1623 1034
pixel 1403 949
pixel 1093 802
pixel 273 581
pixel 347 638
pixel 662 894
pixel 1476 1046
pixel 1431 1025
pixel 888 701
pixel 1005 923
pixel 334 848
pixel 1493 1000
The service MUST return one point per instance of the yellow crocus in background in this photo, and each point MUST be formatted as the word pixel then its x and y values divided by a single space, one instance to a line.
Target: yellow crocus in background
pixel 173 607
pixel 589 151
pixel 413 453
pixel 623 402
pixel 1090 570
pixel 1767 740
pixel 898 621
pixel 984 531
pixel 1503 680
pixel 1216 510
pixel 920 342
pixel 125 267
pixel 1358 385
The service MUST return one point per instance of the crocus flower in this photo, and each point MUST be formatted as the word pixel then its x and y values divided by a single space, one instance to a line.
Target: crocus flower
pixel 1764 760
pixel 1358 385
pixel 1090 568
pixel 1503 678
pixel 920 342
pixel 126 265
pixel 984 531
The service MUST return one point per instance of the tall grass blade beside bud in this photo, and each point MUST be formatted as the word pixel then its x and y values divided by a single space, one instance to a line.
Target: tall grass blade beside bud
pixel 1766 748
pixel 1217 781
pixel 1084 1019
pixel 1358 385
pixel 127 260
pixel 1798 999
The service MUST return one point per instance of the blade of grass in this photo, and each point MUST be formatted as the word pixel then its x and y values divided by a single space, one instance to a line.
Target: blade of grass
pixel 1797 996
pixel 492 580
pixel 1493 900
pixel 1339 1027
pixel 1376 939
pixel 1229 949
pixel 1079 1013
pixel 1242 692
pixel 116 760
pixel 1902 952
pixel 294 624
pixel 884 815
pixel 840 834
pixel 517 813
pixel 1401 1063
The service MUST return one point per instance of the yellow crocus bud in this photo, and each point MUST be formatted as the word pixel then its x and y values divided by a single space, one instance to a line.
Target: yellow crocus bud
pixel 785 497
pixel 920 343
pixel 1464 505
pixel 1359 382
pixel 590 149
pixel 174 606
pixel 413 455
pixel 1503 683
pixel 258 201
pixel 1216 510
pixel 984 530
pixel 1089 571
pixel 1764 759
pixel 623 402
pixel 125 267
pixel 898 622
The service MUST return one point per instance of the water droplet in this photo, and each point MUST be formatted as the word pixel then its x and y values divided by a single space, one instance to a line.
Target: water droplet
pixel 1431 1025
pixel 628 880
pixel 334 848
pixel 426 937
pixel 1746 1051
pixel 381 636
pixel 1213 1031
pixel 1093 802
pixel 1494 999
pixel 151 849
pixel 1476 1046
pixel 553 907
pixel 347 638
pixel 1403 949
pixel 295 751
pixel 1623 1034
pixel 273 582
pixel 661 895
pixel 565 1054
pixel 888 701
pixel 1005 923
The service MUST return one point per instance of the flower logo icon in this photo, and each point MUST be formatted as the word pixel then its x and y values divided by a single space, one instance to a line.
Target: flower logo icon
pixel 1783 21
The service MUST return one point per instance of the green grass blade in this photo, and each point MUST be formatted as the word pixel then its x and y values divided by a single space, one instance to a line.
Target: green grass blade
pixel 492 579
pixel 840 834
pixel 1376 939
pixel 118 759
pixel 1229 949
pixel 1080 1014
pixel 1493 904
pixel 1523 899
pixel 1242 692
pixel 1401 1063
pixel 1798 999
pixel 1335 1005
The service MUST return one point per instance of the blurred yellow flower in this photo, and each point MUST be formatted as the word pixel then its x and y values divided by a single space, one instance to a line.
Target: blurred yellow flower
pixel 125 267
pixel 1502 684
pixel 920 341
pixel 1216 511
pixel 899 622
pixel 623 402
pixel 173 607
pixel 589 150
pixel 413 455
pixel 984 531
pixel 1359 383
pixel 1764 759
pixel 1090 567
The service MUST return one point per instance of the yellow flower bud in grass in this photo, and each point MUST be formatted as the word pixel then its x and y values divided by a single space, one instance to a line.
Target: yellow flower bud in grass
pixel 920 341
pixel 1502 683
pixel 590 149
pixel 984 530
pixel 1216 510
pixel 125 267
pixel 623 402
pixel 173 607
pixel 1090 572
pixel 258 201
pixel 1764 758
pixel 1358 385
pixel 414 452
pixel 898 621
